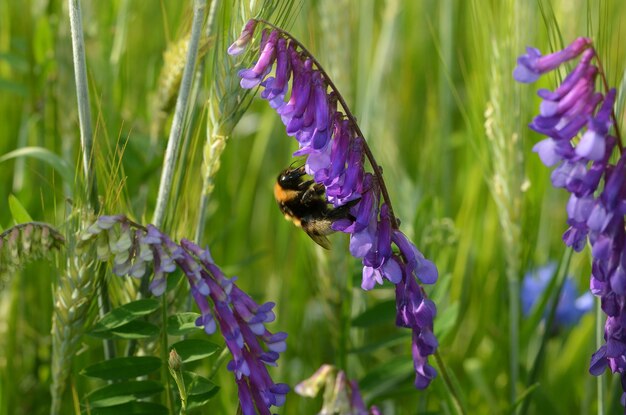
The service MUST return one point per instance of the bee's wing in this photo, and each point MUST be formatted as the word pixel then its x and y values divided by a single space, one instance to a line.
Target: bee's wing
pixel 321 240
pixel 317 229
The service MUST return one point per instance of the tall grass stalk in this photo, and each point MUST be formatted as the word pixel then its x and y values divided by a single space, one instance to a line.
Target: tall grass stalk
pixel 82 95
pixel 171 153
pixel 87 140
pixel 222 107
pixel 77 287
pixel 507 182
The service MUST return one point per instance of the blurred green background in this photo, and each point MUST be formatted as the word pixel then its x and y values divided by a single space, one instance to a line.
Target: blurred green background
pixel 430 83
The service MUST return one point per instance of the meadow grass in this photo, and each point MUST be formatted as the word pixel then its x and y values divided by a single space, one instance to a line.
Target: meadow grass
pixel 431 86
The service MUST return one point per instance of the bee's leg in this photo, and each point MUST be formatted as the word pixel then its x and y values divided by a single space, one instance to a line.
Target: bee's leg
pixel 306 185
pixel 314 192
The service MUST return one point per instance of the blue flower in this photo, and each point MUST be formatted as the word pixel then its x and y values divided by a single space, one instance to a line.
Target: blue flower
pixel 569 309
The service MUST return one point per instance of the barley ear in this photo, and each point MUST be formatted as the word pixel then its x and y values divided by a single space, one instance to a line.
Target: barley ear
pixel 74 296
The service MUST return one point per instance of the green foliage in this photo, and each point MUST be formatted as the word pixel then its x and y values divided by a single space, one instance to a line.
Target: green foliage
pixel 122 367
pixel 126 313
pixel 123 392
pixel 191 350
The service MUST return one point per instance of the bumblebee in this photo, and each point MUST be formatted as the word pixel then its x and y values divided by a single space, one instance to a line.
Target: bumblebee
pixel 303 202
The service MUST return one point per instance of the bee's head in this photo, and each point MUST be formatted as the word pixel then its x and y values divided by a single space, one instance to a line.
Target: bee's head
pixel 290 178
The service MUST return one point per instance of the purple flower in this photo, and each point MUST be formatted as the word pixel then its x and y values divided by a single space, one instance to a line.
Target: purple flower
pixel 595 212
pixel 221 303
pixel 253 76
pixel 335 158
pixel 246 36
pixel 532 65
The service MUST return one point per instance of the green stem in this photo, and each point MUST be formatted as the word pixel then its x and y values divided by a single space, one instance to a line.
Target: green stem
pixel 165 353
pixel 218 362
pixel 560 281
pixel 82 95
pixel 345 310
pixel 169 162
pixel 204 197
pixel 456 399
pixel 86 139
pixel 600 383
pixel 513 288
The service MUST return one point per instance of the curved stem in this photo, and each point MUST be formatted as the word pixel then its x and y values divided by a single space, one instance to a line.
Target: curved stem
pixel 613 115
pixel 368 153
pixel 218 362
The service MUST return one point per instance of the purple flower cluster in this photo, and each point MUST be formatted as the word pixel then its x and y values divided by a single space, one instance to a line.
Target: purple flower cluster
pixel 336 158
pixel 221 302
pixel 597 203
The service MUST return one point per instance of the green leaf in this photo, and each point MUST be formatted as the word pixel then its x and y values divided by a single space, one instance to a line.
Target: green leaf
pixel 182 323
pixel 57 163
pixel 136 330
pixel 123 392
pixel 200 390
pixel 196 384
pixel 200 400
pixel 19 213
pixel 381 313
pixel 126 313
pixel 123 367
pixel 131 408
pixel 194 349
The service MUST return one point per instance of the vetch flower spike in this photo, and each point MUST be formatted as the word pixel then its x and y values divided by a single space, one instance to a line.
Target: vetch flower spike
pixel 335 149
pixel 577 121
pixel 221 302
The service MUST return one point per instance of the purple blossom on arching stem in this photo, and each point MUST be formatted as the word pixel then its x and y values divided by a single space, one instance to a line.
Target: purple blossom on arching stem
pixel 378 262
pixel 335 152
pixel 597 204
pixel 246 36
pixel 242 322
pixel 533 64
pixel 415 311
